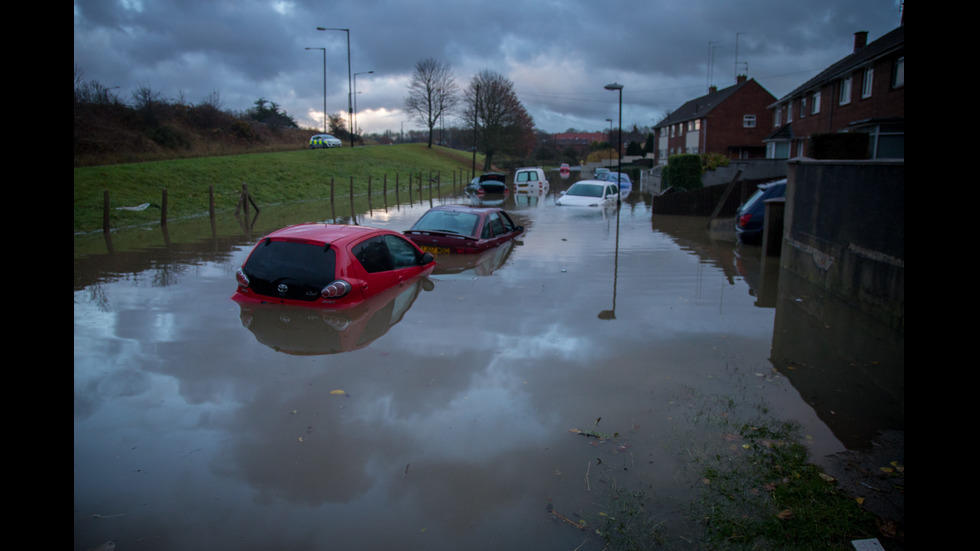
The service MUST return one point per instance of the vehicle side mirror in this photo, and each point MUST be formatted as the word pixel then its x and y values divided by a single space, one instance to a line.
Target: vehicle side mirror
pixel 426 258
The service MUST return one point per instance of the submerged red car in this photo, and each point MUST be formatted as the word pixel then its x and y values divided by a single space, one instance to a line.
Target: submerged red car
pixel 328 265
pixel 463 229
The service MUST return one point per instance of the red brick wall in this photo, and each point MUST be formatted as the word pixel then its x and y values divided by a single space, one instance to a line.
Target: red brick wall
pixel 884 102
pixel 724 123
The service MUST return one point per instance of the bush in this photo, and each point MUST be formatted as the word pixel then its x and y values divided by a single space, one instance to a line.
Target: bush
pixel 711 161
pixel 168 137
pixel 684 171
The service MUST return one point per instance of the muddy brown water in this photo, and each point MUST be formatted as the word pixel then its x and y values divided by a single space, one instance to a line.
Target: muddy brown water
pixel 447 416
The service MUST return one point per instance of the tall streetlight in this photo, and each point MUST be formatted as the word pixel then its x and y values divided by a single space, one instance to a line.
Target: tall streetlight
pixel 350 108
pixel 324 87
pixel 355 95
pixel 611 314
pixel 619 152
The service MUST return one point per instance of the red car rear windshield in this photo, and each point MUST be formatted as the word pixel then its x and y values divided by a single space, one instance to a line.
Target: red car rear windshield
pixel 303 266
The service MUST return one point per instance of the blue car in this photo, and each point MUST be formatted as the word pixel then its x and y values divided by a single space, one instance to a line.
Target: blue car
pixel 749 219
pixel 623 180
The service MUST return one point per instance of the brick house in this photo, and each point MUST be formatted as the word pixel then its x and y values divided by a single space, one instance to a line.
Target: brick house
pixel 863 92
pixel 731 122
pixel 581 141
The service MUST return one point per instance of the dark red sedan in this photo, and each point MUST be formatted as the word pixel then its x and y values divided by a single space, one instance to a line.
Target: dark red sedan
pixel 463 229
pixel 328 265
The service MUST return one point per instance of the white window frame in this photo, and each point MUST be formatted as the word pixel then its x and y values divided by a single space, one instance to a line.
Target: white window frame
pixel 845 90
pixel 898 73
pixel 748 121
pixel 868 83
pixel 815 108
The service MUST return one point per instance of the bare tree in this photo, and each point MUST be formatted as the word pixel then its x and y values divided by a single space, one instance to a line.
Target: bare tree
pixel 432 93
pixel 498 117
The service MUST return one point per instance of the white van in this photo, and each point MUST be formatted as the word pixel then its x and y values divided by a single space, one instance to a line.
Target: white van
pixel 530 179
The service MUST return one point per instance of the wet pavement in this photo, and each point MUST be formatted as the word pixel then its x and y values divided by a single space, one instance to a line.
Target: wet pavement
pixel 449 414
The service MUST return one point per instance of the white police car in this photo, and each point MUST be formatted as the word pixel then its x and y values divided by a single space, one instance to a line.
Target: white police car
pixel 324 140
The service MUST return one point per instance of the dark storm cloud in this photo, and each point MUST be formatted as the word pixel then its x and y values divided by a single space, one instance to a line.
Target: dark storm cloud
pixel 559 54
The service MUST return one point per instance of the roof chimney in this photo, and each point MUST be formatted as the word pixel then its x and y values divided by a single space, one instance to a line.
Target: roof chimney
pixel 860 40
pixel 740 79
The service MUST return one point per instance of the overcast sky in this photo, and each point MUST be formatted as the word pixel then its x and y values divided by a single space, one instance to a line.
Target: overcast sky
pixel 558 53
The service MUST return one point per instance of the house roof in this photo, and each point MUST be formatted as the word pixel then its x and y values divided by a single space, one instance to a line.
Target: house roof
pixel 890 42
pixel 699 107
pixel 783 133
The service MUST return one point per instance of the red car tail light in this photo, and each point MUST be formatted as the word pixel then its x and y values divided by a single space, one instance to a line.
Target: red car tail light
pixel 336 289
pixel 744 220
pixel 241 278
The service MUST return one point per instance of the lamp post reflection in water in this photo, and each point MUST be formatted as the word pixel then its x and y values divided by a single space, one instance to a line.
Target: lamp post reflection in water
pixel 611 314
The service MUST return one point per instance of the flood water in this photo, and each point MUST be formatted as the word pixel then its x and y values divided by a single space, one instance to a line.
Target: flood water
pixel 447 416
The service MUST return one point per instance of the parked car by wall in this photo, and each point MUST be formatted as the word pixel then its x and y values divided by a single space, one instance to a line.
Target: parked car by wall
pixel 750 217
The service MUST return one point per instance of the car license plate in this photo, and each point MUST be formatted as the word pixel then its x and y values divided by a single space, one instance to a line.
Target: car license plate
pixel 435 250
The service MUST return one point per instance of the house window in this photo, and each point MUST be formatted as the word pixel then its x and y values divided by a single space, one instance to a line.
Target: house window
pixel 777 150
pixel 789 111
pixel 898 73
pixel 802 107
pixel 815 107
pixel 868 80
pixel 845 91
pixel 748 121
pixel 777 118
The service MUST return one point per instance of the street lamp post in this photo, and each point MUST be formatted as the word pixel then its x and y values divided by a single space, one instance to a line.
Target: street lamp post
pixel 350 108
pixel 355 95
pixel 619 153
pixel 324 87
pixel 611 314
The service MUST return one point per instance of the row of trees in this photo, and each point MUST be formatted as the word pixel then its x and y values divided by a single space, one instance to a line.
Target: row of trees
pixel 150 126
pixel 488 106
pixel 153 106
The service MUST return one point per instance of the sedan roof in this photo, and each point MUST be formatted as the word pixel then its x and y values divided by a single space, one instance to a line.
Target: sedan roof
pixel 323 233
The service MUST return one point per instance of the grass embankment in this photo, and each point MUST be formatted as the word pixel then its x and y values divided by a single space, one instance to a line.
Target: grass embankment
pixel 272 178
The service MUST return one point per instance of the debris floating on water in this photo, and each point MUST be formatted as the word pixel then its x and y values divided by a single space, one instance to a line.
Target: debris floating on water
pixel 142 206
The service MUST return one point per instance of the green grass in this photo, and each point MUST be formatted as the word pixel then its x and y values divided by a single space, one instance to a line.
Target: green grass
pixel 760 492
pixel 272 178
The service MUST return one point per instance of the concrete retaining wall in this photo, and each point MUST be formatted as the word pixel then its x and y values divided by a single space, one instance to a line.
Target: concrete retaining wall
pixel 845 232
